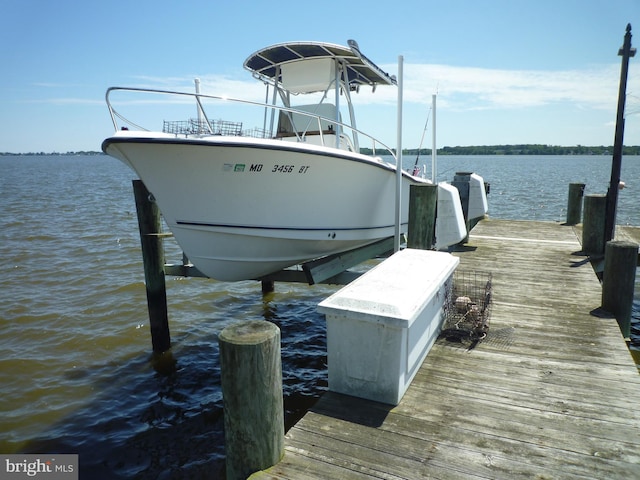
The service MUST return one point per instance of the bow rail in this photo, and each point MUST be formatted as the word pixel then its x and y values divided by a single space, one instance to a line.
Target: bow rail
pixel 317 129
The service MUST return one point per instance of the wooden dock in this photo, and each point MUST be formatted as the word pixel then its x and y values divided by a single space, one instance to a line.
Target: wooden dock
pixel 551 393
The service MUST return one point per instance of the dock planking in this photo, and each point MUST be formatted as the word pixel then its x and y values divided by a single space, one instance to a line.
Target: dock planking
pixel 550 393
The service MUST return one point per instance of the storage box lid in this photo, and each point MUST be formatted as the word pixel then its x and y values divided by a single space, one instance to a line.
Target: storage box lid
pixel 395 291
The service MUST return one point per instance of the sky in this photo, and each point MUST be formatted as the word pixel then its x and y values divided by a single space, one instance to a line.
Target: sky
pixel 504 71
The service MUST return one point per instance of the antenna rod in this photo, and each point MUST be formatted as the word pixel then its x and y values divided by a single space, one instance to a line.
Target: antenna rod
pixel 415 165
pixel 197 82
pixel 433 141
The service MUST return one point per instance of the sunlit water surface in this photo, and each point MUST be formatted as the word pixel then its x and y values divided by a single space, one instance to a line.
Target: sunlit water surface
pixel 76 370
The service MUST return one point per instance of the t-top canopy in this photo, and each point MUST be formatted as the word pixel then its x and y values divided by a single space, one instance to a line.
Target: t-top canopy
pixel 290 57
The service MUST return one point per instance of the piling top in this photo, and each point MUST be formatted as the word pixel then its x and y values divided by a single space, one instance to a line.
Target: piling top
pixel 624 244
pixel 250 332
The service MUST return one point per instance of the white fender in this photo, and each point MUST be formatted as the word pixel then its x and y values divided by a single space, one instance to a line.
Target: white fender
pixel 450 224
pixel 478 205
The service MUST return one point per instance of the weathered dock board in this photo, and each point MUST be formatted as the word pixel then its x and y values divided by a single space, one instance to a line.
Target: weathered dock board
pixel 551 393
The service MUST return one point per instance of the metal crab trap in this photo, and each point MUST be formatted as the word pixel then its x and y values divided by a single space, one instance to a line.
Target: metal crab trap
pixel 195 126
pixel 467 307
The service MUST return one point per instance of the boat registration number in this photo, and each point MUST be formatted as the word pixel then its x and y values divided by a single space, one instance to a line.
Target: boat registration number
pixel 259 167
pixel 289 169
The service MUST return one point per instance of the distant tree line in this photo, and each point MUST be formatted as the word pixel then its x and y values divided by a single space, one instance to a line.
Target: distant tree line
pixel 532 149
pixel 52 153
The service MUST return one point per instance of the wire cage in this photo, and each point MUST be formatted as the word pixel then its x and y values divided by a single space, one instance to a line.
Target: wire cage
pixel 467 306
pixel 178 127
pixel 256 133
pixel 225 127
pixel 194 126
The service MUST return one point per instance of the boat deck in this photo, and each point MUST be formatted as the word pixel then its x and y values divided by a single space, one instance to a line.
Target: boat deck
pixel 552 392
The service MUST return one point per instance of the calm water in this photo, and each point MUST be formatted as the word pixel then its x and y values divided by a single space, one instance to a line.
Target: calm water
pixel 76 372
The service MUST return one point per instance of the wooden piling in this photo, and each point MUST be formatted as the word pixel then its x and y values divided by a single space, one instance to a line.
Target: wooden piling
pixel 422 216
pixel 153 260
pixel 268 286
pixel 574 203
pixel 251 377
pixel 625 52
pixel 593 224
pixel 618 281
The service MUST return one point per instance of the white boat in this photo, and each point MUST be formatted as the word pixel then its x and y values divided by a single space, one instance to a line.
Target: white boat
pixel 243 204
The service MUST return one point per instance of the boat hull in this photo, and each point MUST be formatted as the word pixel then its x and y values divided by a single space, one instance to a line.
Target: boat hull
pixel 244 208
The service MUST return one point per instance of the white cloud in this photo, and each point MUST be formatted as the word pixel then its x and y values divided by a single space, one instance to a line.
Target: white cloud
pixel 466 88
pixel 218 85
pixel 458 88
pixel 69 101
pixel 461 90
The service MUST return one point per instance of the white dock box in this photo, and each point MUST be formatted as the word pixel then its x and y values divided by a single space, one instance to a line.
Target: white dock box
pixel 381 326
